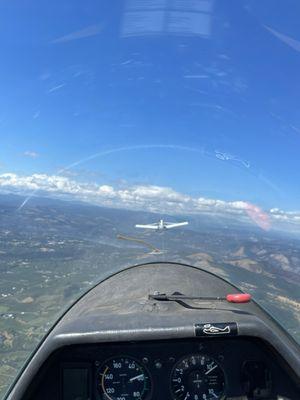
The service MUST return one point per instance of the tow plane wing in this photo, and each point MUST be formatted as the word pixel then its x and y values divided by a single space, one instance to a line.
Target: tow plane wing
pixel 149 226
pixel 169 225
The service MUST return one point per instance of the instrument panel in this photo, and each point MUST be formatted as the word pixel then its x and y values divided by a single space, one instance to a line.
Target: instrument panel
pixel 211 369
pixel 196 376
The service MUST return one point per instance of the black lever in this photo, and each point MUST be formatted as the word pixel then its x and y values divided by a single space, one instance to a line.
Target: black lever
pixel 230 298
pixel 178 296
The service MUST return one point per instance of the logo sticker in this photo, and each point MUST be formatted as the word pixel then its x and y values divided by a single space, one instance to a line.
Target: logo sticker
pixel 216 329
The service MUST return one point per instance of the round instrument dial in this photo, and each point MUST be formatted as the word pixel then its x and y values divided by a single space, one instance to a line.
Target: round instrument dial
pixel 123 378
pixel 197 377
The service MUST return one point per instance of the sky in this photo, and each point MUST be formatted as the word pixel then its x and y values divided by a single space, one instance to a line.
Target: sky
pixel 194 97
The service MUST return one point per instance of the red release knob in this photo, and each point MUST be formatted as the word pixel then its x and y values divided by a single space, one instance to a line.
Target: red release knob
pixel 238 298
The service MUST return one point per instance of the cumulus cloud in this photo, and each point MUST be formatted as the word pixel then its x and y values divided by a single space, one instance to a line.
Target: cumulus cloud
pixel 281 215
pixel 31 154
pixel 144 197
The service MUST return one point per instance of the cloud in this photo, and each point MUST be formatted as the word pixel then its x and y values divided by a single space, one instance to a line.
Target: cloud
pixel 142 197
pixel 293 43
pixel 290 216
pixel 31 154
pixel 146 197
pixel 89 31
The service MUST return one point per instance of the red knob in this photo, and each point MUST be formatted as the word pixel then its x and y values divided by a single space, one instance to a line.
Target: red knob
pixel 238 298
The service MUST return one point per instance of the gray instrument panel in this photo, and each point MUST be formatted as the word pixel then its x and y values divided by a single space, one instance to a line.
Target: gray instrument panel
pixel 199 369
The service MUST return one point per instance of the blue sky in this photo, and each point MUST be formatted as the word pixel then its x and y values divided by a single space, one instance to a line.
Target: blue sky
pixel 79 78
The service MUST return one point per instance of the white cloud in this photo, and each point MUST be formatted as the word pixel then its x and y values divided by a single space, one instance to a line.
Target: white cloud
pixel 290 216
pixel 145 197
pixel 31 154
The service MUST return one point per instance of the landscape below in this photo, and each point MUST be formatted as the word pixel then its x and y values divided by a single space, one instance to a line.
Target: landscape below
pixel 52 251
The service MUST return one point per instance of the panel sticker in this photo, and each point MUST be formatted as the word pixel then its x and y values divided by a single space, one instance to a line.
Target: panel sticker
pixel 216 329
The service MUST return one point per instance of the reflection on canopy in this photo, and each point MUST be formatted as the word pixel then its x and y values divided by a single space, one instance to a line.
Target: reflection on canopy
pixel 172 17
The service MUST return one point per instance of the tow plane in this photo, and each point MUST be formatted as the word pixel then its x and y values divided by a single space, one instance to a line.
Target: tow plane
pixel 161 225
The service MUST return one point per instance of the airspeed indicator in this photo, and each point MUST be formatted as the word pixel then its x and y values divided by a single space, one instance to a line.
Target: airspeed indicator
pixel 123 378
